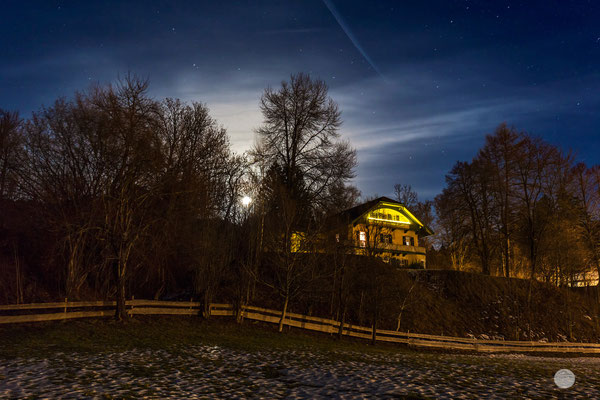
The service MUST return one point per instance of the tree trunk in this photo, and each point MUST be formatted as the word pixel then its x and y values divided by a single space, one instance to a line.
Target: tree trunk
pixel 374 332
pixel 375 316
pixel 121 310
pixel 341 328
pixel 332 300
pixel 238 309
pixel 360 308
pixel 507 258
pixel 285 304
pixel 19 277
pixel 207 299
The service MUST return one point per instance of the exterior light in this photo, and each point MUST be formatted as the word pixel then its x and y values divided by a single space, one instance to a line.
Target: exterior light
pixel 246 201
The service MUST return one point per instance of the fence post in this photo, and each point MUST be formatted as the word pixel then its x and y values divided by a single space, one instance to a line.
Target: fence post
pixel 131 311
pixel 65 305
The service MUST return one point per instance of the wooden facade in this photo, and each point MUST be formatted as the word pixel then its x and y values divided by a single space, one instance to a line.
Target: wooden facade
pixel 383 228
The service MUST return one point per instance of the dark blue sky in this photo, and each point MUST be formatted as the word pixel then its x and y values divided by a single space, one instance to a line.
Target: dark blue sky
pixel 419 83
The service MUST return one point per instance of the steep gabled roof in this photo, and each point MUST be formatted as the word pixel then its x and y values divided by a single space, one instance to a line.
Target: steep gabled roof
pixel 352 215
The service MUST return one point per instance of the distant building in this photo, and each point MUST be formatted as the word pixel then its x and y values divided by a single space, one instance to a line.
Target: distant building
pixel 587 278
pixel 384 228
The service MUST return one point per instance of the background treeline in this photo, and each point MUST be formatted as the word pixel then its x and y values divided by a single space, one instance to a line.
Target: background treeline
pixel 113 194
pixel 101 196
pixel 521 208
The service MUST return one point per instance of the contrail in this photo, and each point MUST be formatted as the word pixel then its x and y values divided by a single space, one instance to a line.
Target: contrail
pixel 348 33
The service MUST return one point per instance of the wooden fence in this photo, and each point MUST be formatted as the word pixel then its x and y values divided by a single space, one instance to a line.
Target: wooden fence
pixel 411 339
pixel 83 309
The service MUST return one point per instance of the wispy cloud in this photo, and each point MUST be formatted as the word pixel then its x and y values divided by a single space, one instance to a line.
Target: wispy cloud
pixel 448 81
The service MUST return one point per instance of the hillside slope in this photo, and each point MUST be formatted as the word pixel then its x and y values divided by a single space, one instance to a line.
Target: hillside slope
pixel 463 304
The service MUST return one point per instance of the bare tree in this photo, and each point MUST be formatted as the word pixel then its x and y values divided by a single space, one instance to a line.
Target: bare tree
pixel 306 169
pixel 116 170
pixel 300 135
pixel 406 195
pixel 62 170
pixel 423 210
pixel 500 154
pixel 510 194
pixel 470 183
pixel 534 172
pixel 586 190
pixel 11 140
pixel 130 143
pixel 452 229
pixel 198 193
pixel 290 238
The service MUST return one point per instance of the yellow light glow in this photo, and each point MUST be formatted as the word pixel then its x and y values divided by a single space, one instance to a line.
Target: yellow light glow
pixel 390 220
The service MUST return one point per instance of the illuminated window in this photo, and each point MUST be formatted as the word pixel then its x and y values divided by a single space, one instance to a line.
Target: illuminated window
pixel 362 238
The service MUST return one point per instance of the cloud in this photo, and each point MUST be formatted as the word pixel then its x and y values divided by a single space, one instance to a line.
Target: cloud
pixel 415 128
pixel 445 87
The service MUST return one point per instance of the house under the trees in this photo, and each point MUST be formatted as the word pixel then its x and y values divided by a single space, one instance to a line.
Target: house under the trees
pixel 384 228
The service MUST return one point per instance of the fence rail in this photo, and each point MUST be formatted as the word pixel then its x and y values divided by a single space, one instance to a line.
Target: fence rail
pixel 20 313
pixel 411 339
pixel 81 309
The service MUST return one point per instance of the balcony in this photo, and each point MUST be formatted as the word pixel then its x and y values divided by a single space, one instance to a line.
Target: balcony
pixel 394 248
pixel 389 223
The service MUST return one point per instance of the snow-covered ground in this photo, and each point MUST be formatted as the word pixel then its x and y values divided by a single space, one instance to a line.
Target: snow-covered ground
pixel 217 372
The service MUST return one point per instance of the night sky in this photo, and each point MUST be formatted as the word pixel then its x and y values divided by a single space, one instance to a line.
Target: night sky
pixel 419 84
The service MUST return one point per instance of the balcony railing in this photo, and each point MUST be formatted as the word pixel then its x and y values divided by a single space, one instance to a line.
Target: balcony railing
pixel 388 222
pixel 392 247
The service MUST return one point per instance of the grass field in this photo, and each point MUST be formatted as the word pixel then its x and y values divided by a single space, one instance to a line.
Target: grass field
pixel 97 336
pixel 171 357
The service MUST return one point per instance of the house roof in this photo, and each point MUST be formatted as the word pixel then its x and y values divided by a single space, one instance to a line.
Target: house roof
pixel 352 215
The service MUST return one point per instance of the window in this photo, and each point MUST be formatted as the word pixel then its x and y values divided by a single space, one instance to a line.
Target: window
pixel 412 241
pixel 362 238
pixel 385 238
pixel 406 240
